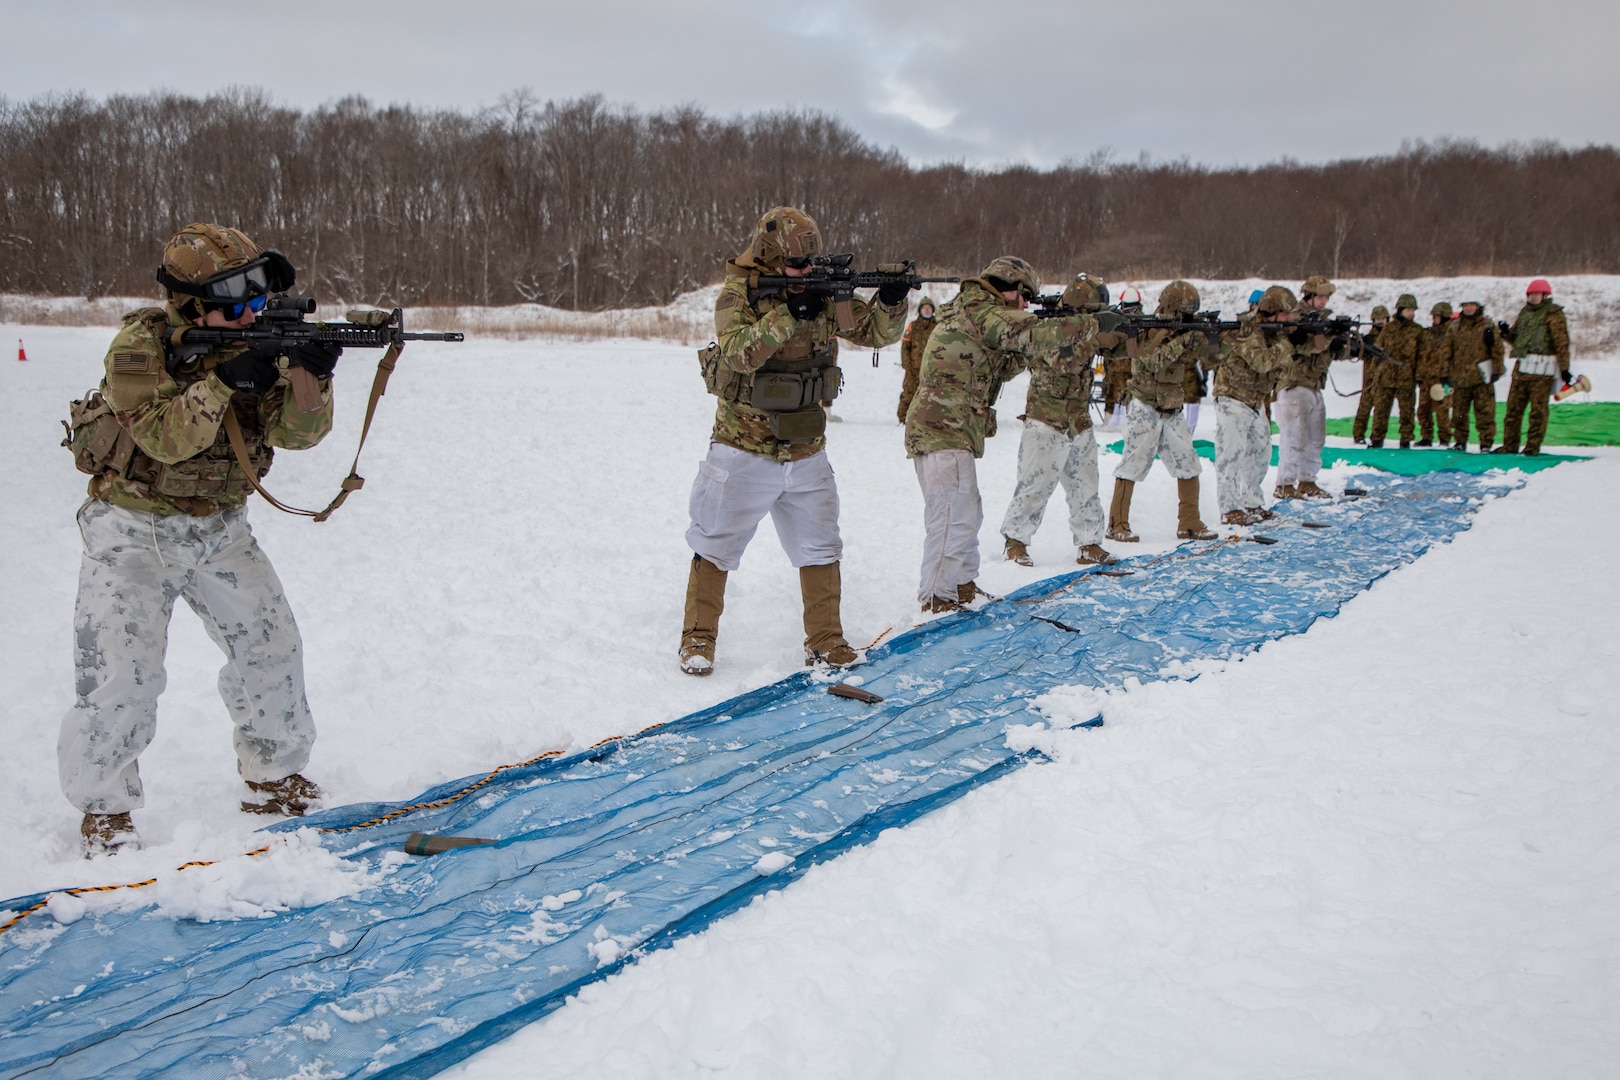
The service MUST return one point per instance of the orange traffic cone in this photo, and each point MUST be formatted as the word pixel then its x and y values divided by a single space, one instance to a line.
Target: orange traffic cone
pixel 21 355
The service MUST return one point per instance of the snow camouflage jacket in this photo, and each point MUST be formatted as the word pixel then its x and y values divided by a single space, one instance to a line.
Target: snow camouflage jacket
pixel 1403 340
pixel 1307 364
pixel 1161 374
pixel 1541 330
pixel 1248 361
pixel 980 341
pixel 912 346
pixel 749 334
pixel 1473 339
pixel 183 462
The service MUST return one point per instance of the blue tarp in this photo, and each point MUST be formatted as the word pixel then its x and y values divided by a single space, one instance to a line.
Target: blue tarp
pixel 639 841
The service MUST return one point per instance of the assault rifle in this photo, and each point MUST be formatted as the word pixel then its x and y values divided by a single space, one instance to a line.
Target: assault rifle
pixel 281 327
pixel 835 276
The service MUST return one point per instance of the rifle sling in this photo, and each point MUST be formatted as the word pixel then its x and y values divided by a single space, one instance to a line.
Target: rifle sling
pixel 354 481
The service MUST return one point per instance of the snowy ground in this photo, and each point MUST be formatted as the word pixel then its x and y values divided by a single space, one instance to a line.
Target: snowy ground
pixel 1386 847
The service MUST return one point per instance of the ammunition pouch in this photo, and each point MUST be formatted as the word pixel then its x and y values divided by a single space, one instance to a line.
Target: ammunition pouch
pixel 799 425
pixel 1170 386
pixel 789 391
pixel 99 443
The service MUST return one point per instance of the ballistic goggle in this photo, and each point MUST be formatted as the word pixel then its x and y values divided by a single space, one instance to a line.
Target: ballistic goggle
pixel 238 286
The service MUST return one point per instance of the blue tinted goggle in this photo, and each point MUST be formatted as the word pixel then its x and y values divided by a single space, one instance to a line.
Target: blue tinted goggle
pixel 254 304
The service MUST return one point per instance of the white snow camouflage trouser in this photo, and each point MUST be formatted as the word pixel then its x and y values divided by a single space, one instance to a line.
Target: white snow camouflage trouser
pixel 1046 458
pixel 1242 455
pixel 1150 433
pixel 733 492
pixel 1301 434
pixel 134 566
pixel 952 515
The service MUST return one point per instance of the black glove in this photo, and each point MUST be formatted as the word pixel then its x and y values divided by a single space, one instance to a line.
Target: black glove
pixel 316 357
pixel 1109 321
pixel 1568 376
pixel 253 372
pixel 807 306
pixel 1339 342
pixel 1298 336
pixel 1507 331
pixel 891 293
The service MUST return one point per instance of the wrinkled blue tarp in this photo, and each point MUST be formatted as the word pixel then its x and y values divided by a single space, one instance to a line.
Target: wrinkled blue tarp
pixel 664 832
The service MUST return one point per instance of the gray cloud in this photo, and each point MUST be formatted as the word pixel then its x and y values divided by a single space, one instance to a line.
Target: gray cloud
pixel 1219 83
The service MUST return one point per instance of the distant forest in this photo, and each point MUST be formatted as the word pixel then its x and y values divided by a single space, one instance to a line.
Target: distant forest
pixel 581 204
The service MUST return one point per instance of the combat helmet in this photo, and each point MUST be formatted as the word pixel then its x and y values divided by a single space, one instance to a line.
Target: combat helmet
pixel 218 266
pixel 1277 299
pixel 1404 301
pixel 1009 272
pixel 1086 293
pixel 1316 285
pixel 1441 309
pixel 1130 298
pixel 1381 312
pixel 783 234
pixel 1178 298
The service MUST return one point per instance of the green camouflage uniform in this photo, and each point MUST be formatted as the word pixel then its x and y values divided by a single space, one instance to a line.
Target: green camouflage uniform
pixel 749 334
pixel 1393 380
pixel 912 346
pixel 980 341
pixel 1540 330
pixel 183 462
pixel 1433 368
pixel 1369 382
pixel 1471 341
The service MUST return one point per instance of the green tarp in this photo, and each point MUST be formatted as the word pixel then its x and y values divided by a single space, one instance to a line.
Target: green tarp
pixel 1408 462
pixel 1593 423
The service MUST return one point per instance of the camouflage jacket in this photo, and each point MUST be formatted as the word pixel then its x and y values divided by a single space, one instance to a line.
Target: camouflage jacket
pixel 1307 364
pixel 183 462
pixel 1060 391
pixel 1434 355
pixel 1160 374
pixel 1541 330
pixel 1471 341
pixel 911 354
pixel 1403 340
pixel 1247 363
pixel 980 341
pixel 750 333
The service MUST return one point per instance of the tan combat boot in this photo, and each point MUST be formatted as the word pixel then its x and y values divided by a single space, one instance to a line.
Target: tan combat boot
pixel 966 594
pixel 822 589
pixel 1189 526
pixel 705 600
pixel 290 796
pixel 934 605
pixel 106 834
pixel 1095 555
pixel 1017 552
pixel 1236 517
pixel 1285 491
pixel 1119 513
pixel 1308 490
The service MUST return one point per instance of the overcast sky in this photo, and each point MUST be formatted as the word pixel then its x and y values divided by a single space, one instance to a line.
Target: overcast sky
pixel 1240 82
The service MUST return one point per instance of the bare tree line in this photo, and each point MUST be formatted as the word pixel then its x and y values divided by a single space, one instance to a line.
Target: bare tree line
pixel 582 205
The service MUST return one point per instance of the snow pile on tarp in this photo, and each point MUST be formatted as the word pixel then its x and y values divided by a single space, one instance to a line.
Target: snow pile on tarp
pixel 404 966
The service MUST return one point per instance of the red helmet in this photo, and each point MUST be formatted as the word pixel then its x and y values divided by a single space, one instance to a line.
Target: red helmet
pixel 1539 285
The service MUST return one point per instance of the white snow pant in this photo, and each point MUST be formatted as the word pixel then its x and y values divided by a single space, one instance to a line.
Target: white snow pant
pixel 733 492
pixel 952 515
pixel 1149 434
pixel 134 566
pixel 1190 410
pixel 1301 434
pixel 1046 458
pixel 1242 455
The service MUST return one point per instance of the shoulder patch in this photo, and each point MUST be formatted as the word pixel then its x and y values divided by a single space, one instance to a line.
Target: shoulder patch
pixel 133 363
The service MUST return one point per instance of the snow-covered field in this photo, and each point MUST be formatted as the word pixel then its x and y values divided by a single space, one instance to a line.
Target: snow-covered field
pixel 1384 848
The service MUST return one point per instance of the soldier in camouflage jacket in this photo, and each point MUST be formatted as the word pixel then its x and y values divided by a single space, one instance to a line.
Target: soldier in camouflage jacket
pixel 1540 339
pixel 1434 379
pixel 1057 445
pixel 166 518
pixel 983 338
pixel 765 459
pixel 1369 384
pixel 1245 377
pixel 1474 350
pixel 1395 378
pixel 1301 414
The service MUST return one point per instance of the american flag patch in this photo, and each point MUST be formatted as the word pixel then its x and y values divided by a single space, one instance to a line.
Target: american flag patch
pixel 131 363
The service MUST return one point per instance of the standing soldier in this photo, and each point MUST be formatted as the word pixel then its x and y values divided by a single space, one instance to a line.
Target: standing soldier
pixel 1540 337
pixel 1154 426
pixel 984 337
pixel 911 352
pixel 1476 364
pixel 1301 414
pixel 1245 375
pixel 764 458
pixel 1058 445
pixel 1434 379
pixel 1402 339
pixel 1117 364
pixel 1369 385
pixel 166 518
